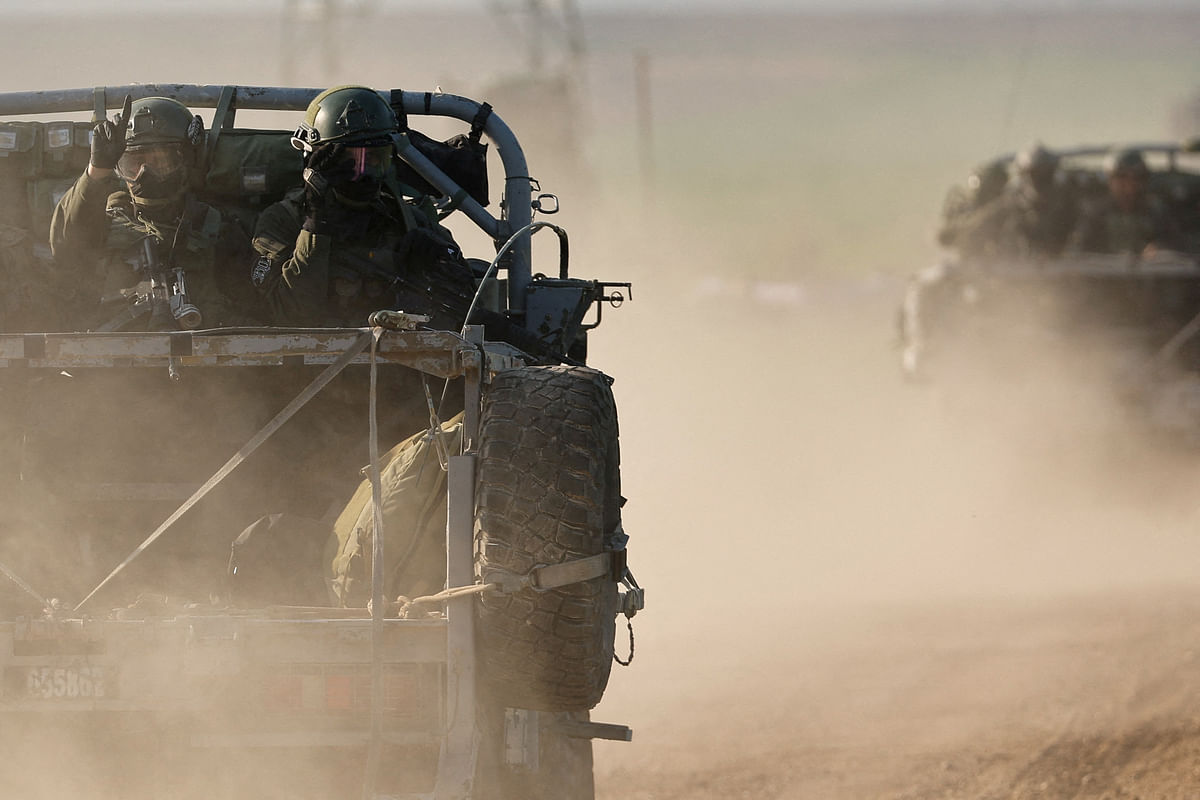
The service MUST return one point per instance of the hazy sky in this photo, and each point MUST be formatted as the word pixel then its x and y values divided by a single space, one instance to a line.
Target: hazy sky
pixel 106 6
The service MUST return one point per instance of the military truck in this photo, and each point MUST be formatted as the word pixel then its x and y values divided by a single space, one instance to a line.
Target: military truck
pixel 150 650
pixel 1130 319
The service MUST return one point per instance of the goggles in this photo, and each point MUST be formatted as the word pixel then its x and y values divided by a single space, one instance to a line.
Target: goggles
pixel 366 161
pixel 162 160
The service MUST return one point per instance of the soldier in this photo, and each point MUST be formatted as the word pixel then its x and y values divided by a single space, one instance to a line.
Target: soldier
pixel 1032 219
pixel 985 183
pixel 1128 219
pixel 346 243
pixel 129 232
pixel 1029 220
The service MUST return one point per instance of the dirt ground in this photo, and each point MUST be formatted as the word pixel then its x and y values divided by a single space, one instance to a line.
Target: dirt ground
pixel 858 590
pixel 1080 697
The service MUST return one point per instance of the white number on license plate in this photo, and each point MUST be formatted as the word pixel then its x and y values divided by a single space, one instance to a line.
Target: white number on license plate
pixel 66 683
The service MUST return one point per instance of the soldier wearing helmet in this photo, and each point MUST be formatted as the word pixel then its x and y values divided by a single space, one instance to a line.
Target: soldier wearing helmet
pixel 347 243
pixel 1128 219
pixel 962 204
pixel 142 252
pixel 1032 218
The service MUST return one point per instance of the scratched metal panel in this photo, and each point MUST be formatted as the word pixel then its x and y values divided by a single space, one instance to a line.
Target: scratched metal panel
pixel 433 352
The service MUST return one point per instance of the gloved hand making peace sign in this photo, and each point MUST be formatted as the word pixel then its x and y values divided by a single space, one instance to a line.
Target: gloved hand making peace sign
pixel 108 141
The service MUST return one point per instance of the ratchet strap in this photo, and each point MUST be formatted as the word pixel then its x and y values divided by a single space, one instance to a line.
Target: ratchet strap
pixel 241 455
pixel 479 122
pixel 612 563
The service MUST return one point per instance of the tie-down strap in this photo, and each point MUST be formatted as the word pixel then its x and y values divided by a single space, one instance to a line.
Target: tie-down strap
pixel 286 413
pixel 612 563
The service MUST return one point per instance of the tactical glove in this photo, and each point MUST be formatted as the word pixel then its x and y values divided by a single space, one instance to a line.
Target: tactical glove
pixel 324 171
pixel 108 138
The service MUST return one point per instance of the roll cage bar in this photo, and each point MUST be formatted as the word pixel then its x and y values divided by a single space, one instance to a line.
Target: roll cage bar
pixel 1172 151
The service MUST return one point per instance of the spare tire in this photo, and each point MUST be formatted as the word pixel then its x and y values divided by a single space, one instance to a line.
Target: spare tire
pixel 547 492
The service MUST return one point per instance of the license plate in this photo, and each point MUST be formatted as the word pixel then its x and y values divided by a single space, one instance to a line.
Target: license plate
pixel 87 682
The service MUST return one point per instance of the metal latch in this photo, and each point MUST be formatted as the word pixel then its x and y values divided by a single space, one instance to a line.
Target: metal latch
pixel 546 203
pixel 396 320
pixel 633 599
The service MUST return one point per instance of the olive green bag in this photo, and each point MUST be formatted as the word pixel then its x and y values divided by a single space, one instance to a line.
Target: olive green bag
pixel 252 166
pixel 20 160
pixel 414 522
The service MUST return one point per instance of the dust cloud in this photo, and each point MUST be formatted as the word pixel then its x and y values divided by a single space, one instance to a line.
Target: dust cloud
pixel 856 587
pixel 823 544
pixel 859 587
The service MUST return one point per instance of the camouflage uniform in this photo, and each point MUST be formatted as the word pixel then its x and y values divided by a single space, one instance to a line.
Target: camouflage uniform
pixel 1022 223
pixel 1106 228
pixel 97 237
pixel 337 277
pixel 347 244
pixel 1032 219
pixel 985 183
pixel 132 205
pixel 1127 219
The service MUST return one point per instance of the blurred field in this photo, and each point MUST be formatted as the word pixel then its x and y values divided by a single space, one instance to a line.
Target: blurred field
pixel 784 145
pixel 784 488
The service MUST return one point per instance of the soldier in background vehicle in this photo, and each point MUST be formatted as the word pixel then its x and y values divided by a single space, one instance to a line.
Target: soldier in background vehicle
pixel 985 183
pixel 142 252
pixel 1031 219
pixel 1128 219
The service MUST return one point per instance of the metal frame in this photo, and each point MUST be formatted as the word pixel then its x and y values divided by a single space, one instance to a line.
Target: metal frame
pixel 517 199
pixel 1171 150
pixel 435 353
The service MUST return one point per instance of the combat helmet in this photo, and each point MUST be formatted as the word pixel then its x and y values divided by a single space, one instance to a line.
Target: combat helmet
pixel 161 120
pixel 162 145
pixel 352 115
pixel 987 181
pixel 1036 159
pixel 1128 160
pixel 1036 166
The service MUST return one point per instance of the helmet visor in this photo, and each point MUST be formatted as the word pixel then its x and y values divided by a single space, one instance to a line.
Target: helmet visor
pixel 367 162
pixel 163 160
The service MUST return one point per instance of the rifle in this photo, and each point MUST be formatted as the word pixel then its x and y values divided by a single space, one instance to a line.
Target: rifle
pixel 167 303
pixel 168 291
